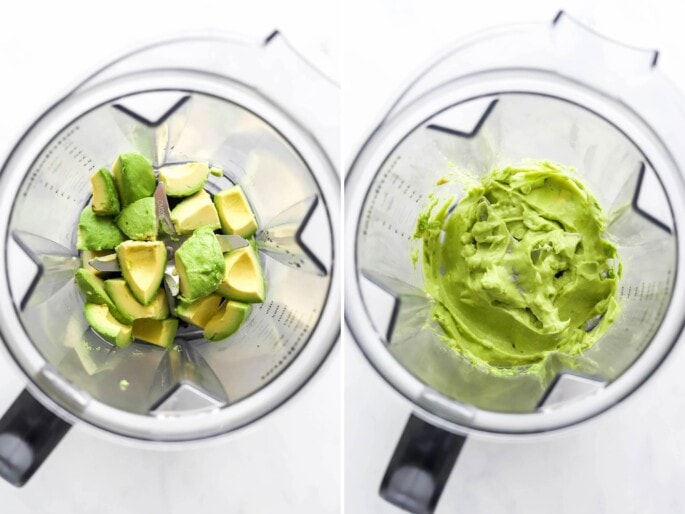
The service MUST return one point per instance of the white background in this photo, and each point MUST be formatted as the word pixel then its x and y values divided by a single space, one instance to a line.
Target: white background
pixel 632 459
pixel 289 462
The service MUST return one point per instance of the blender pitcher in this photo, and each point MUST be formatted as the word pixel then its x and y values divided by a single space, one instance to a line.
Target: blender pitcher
pixel 550 92
pixel 268 119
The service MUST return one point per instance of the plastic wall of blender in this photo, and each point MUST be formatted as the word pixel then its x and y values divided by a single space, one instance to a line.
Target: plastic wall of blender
pixel 564 45
pixel 267 65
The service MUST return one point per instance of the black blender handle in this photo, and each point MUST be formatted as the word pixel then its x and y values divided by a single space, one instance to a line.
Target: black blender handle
pixel 420 466
pixel 28 434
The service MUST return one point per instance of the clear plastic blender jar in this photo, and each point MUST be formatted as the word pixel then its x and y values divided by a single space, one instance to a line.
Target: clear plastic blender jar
pixel 555 92
pixel 269 120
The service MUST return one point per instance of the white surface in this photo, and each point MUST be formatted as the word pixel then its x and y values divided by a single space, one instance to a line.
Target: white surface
pixel 630 460
pixel 288 462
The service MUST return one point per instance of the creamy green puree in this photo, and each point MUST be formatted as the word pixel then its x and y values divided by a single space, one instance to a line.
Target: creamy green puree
pixel 520 267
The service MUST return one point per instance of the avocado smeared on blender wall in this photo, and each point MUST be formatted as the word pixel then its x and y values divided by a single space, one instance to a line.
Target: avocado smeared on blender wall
pixel 117 233
pixel 521 267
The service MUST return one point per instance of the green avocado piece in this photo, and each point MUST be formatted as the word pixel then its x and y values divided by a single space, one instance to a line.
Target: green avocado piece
pixel 129 308
pixel 105 200
pixel 102 321
pixel 158 332
pixel 97 232
pixel 235 213
pixel 92 287
pixel 138 220
pixel 134 177
pixel 184 179
pixel 200 311
pixel 243 279
pixel 226 321
pixel 195 212
pixel 200 264
pixel 142 264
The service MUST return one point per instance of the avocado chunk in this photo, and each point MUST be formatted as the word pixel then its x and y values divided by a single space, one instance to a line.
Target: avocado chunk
pixel 102 321
pixel 105 200
pixel 161 333
pixel 200 264
pixel 200 311
pixel 235 213
pixel 93 288
pixel 216 171
pixel 89 255
pixel 226 321
pixel 129 308
pixel 97 232
pixel 195 212
pixel 184 179
pixel 243 279
pixel 142 264
pixel 138 220
pixel 134 177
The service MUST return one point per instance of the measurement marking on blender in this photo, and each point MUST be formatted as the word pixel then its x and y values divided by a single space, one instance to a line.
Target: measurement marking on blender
pixel 53 160
pixel 300 334
pixel 374 198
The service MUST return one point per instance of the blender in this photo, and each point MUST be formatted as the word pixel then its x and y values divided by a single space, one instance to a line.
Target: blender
pixel 558 92
pixel 269 120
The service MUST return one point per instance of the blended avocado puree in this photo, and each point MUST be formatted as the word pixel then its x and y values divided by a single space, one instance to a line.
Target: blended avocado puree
pixel 520 268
